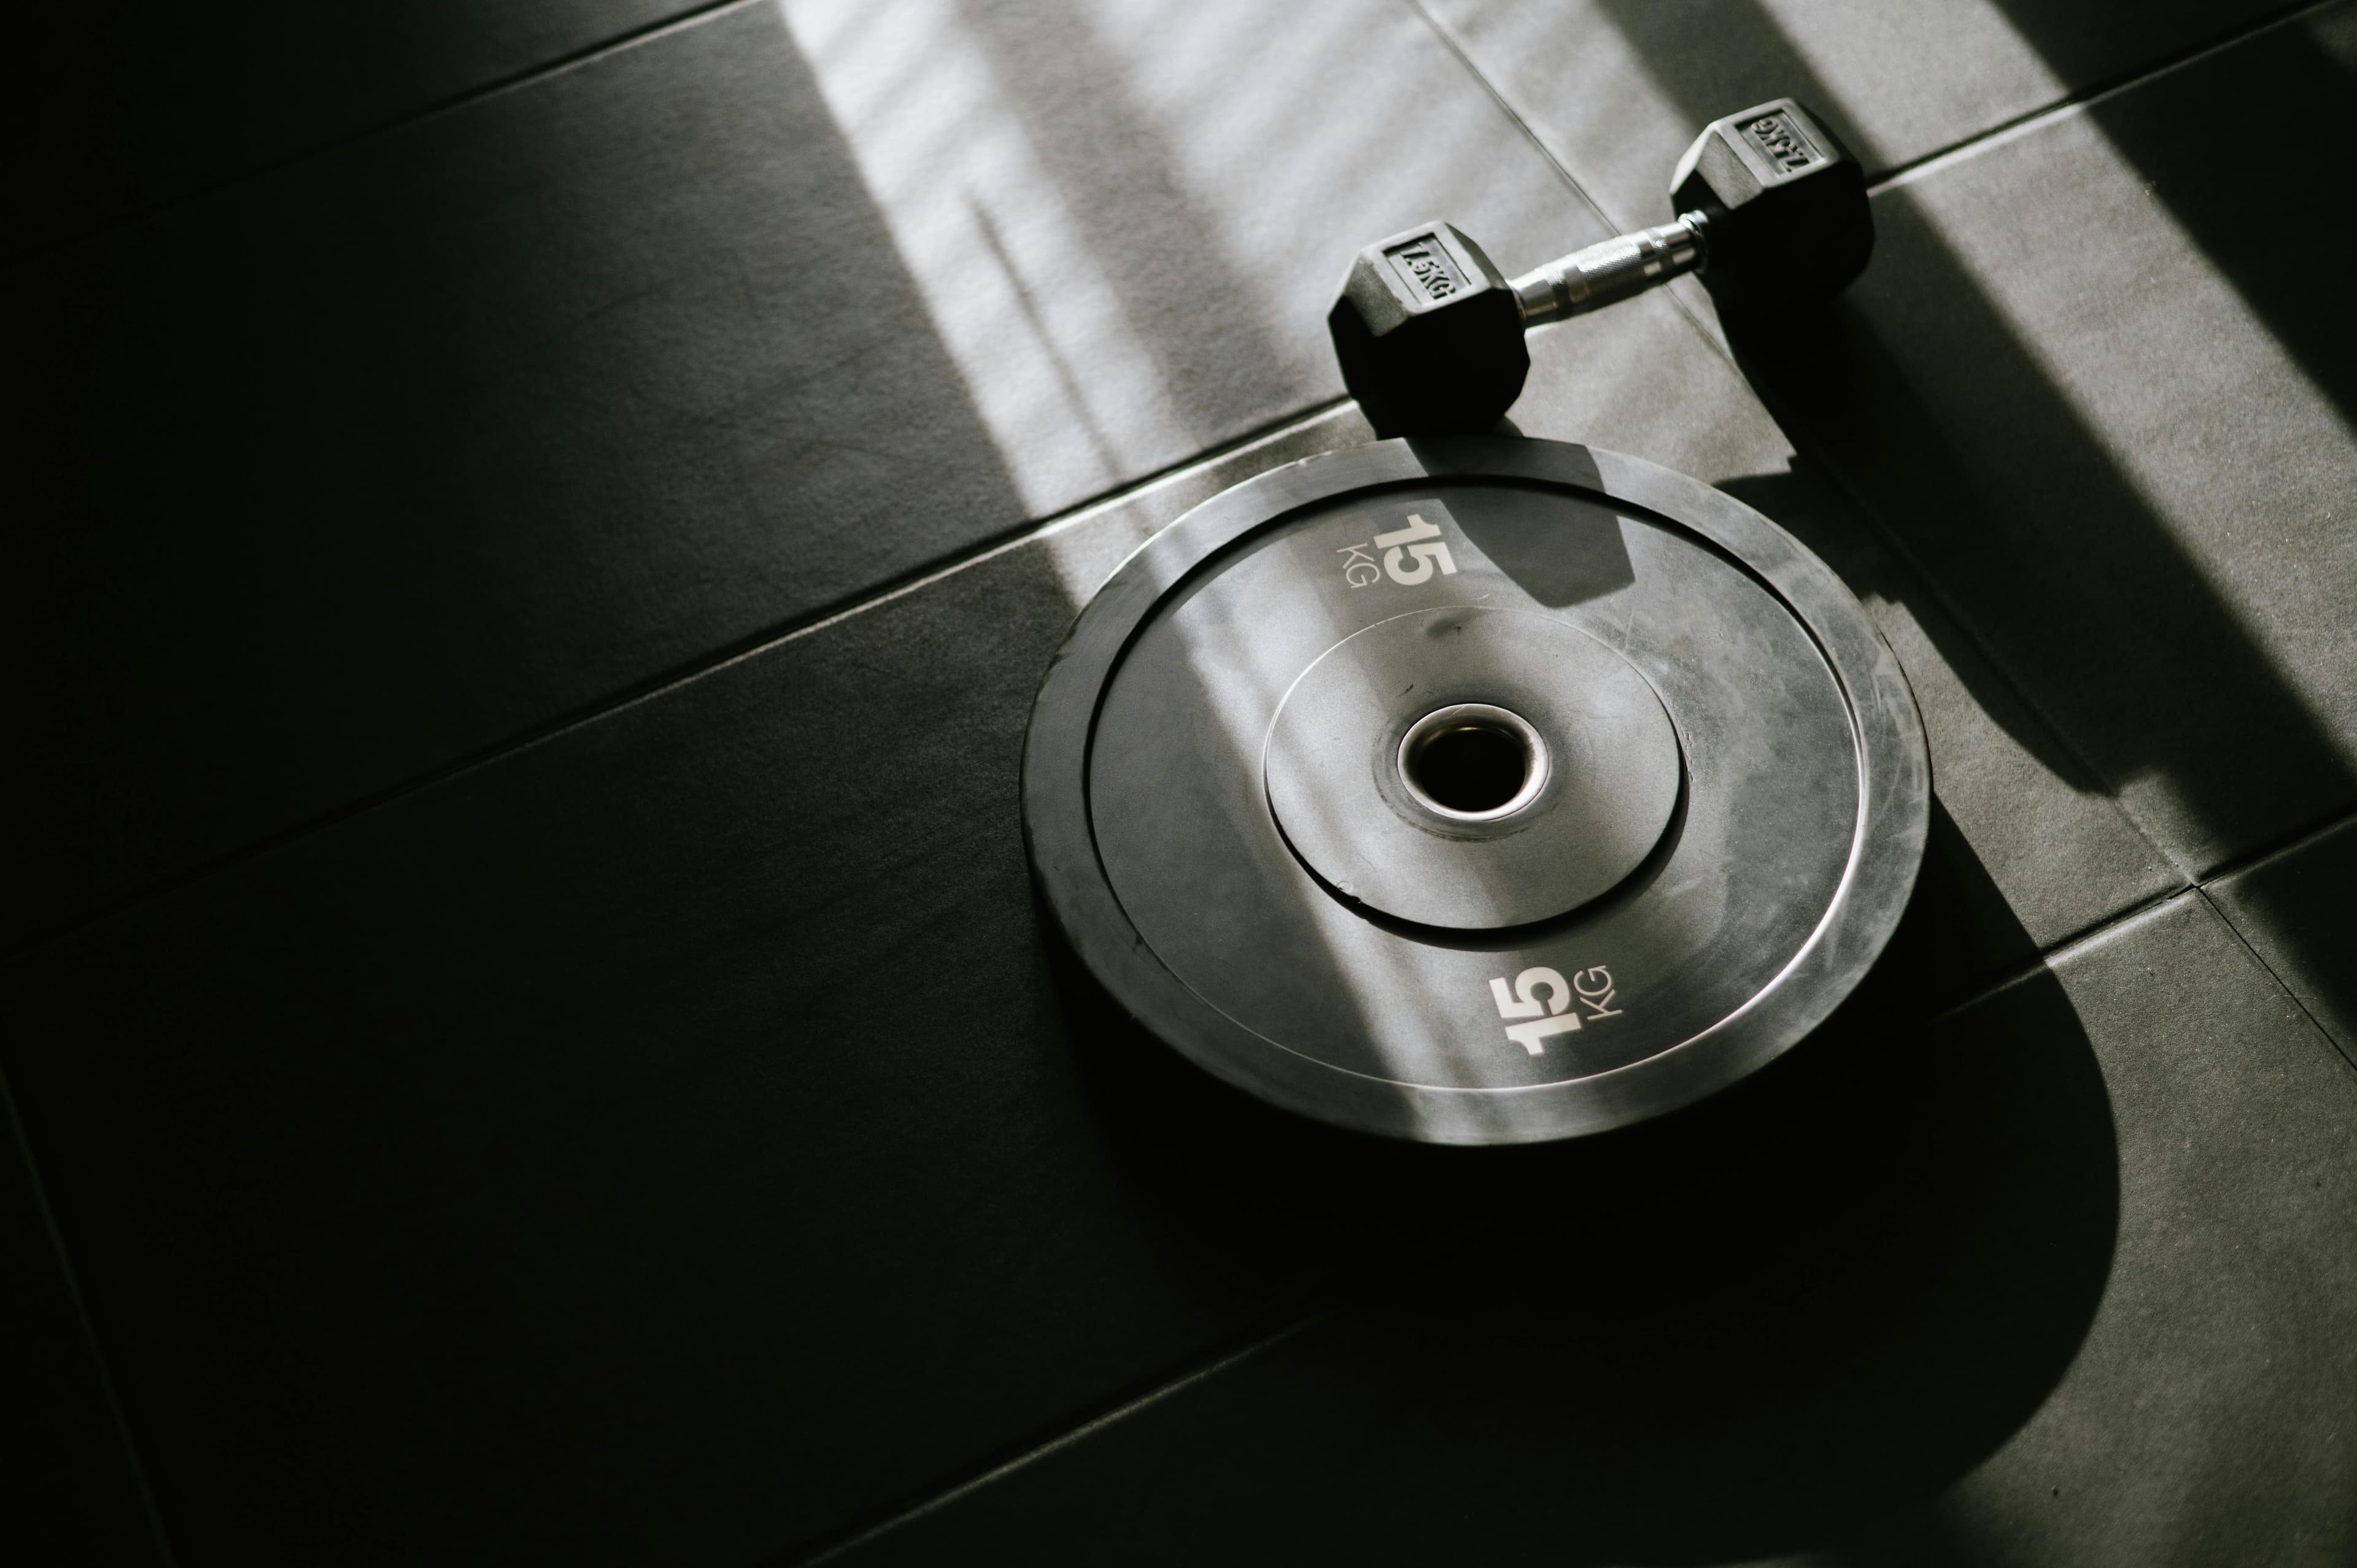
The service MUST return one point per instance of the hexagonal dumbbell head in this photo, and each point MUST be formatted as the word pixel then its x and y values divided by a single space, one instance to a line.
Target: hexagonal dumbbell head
pixel 1429 335
pixel 1788 223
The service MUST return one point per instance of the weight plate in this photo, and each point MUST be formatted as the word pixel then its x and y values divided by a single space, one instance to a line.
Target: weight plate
pixel 1477 791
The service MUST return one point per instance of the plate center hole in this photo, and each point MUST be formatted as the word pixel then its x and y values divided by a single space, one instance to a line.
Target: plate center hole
pixel 1470 765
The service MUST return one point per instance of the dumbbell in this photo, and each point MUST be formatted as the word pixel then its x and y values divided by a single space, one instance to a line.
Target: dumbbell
pixel 1772 214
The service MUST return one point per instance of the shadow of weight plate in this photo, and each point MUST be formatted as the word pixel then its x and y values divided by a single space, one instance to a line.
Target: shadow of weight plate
pixel 1475 790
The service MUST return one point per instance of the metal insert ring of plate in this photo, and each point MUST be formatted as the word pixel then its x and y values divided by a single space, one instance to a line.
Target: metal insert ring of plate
pixel 1479 790
pixel 1598 779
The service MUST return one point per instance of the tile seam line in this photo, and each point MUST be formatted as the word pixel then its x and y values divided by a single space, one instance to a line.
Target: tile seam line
pixel 2269 970
pixel 109 1388
pixel 988 549
pixel 1924 164
pixel 1063 1440
pixel 1505 106
pixel 588 53
pixel 712 663
pixel 2289 843
pixel 2295 842
pixel 2064 948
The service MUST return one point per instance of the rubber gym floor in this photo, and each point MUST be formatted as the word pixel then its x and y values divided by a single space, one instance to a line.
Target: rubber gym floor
pixel 528 1035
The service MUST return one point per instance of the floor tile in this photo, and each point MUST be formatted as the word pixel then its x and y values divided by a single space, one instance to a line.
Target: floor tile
pixel 358 469
pixel 2065 1279
pixel 2293 907
pixel 138 103
pixel 2132 496
pixel 2206 1419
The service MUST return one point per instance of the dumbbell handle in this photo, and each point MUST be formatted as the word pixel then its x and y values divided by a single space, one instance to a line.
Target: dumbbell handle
pixel 1611 270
